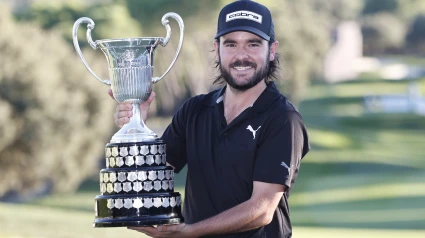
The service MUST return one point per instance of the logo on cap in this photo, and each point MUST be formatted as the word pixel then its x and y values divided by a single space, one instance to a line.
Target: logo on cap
pixel 244 15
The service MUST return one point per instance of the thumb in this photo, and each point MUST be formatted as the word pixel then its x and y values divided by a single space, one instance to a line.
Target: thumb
pixel 144 107
pixel 151 97
pixel 111 93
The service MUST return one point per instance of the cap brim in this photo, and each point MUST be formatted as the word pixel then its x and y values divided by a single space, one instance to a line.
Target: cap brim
pixel 243 28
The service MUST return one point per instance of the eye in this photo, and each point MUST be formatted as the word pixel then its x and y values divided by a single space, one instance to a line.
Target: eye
pixel 254 45
pixel 231 45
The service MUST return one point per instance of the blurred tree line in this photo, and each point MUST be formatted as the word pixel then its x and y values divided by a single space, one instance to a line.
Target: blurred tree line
pixel 393 26
pixel 53 118
pixel 56 117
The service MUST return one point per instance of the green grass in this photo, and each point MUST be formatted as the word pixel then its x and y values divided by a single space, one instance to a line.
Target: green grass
pixel 365 170
pixel 43 221
pixel 364 177
pixel 35 221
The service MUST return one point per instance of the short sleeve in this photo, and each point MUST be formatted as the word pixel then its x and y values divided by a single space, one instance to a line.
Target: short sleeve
pixel 175 139
pixel 280 150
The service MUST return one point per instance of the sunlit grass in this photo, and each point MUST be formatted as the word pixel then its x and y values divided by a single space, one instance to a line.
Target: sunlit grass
pixel 40 221
pixel 365 170
pixel 329 139
pixel 28 221
pixel 365 191
pixel 371 215
pixel 309 232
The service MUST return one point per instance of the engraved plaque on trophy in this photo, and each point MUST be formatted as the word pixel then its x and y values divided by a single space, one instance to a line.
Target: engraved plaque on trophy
pixel 136 187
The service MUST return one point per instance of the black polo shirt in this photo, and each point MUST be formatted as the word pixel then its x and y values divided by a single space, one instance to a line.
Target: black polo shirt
pixel 265 143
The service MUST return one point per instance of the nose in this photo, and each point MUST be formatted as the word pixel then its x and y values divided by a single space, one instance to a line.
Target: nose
pixel 241 53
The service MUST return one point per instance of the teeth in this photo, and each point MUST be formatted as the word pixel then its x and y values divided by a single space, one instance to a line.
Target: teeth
pixel 242 68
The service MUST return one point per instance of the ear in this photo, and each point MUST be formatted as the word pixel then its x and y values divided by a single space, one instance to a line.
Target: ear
pixel 273 50
pixel 216 48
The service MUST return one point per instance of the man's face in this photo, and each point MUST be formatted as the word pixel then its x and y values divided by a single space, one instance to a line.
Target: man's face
pixel 244 59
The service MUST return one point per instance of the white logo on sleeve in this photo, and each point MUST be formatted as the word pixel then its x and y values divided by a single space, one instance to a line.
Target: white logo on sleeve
pixel 244 15
pixel 252 130
pixel 286 166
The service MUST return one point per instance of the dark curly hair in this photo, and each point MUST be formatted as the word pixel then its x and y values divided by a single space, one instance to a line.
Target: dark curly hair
pixel 272 74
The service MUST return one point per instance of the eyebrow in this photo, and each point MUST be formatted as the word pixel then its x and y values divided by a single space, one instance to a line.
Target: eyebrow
pixel 255 41
pixel 229 41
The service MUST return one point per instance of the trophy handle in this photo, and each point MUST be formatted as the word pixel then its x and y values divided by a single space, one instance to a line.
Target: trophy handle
pixel 90 26
pixel 165 40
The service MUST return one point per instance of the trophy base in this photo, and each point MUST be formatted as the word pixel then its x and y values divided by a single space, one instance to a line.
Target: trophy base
pixel 125 222
pixel 137 187
pixel 144 209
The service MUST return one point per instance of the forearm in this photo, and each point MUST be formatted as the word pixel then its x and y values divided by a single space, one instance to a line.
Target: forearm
pixel 245 216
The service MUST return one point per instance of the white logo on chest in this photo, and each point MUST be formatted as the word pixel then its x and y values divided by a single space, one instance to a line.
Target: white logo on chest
pixel 252 130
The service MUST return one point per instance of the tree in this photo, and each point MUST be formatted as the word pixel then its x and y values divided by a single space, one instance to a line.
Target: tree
pixel 415 38
pixel 376 6
pixel 338 10
pixel 112 20
pixel 55 117
pixel 303 34
pixel 382 33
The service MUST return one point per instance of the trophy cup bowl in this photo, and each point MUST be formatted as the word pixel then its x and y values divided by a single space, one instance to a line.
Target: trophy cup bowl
pixel 137 186
pixel 131 67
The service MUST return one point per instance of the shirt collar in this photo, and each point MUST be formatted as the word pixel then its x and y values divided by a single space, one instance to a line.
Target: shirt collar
pixel 264 101
pixel 267 98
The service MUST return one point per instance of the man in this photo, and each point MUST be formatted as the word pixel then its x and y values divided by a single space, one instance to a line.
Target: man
pixel 242 143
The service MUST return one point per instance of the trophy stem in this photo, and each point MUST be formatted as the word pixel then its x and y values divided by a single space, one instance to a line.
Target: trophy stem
pixel 135 130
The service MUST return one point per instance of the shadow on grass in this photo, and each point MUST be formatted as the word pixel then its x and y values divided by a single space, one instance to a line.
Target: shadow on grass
pixel 395 225
pixel 385 121
pixel 330 101
pixel 317 177
pixel 89 185
pixel 357 168
pixel 387 204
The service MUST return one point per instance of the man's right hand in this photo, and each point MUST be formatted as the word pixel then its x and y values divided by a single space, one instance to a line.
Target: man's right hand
pixel 124 111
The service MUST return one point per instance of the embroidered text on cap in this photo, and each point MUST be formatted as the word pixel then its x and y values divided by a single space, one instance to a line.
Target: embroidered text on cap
pixel 244 15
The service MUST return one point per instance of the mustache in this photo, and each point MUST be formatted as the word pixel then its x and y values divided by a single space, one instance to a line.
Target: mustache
pixel 244 63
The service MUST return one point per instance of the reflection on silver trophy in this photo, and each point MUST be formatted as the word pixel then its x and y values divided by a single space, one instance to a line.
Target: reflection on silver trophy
pixel 131 72
pixel 137 186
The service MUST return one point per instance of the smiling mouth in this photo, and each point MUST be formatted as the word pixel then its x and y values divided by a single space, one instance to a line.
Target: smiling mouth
pixel 243 68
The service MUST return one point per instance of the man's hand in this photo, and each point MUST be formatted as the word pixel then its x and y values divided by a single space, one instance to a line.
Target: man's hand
pixel 166 231
pixel 124 111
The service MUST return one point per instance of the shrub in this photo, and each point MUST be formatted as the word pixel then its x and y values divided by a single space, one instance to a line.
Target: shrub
pixel 382 33
pixel 54 117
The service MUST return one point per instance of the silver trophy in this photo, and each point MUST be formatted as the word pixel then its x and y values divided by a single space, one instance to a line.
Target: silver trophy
pixel 131 72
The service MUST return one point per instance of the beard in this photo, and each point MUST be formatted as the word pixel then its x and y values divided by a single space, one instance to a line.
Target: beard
pixel 258 76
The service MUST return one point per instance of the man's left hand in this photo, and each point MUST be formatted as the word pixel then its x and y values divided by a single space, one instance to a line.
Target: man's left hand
pixel 166 231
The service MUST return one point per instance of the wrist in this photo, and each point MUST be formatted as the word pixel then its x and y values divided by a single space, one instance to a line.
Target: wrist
pixel 190 231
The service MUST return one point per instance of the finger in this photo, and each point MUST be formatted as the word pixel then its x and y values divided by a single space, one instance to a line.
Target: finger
pixel 148 230
pixel 124 114
pixel 171 228
pixel 146 104
pixel 111 93
pixel 122 121
pixel 151 97
pixel 125 107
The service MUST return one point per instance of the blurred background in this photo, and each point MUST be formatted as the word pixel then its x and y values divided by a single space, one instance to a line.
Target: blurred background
pixel 354 68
